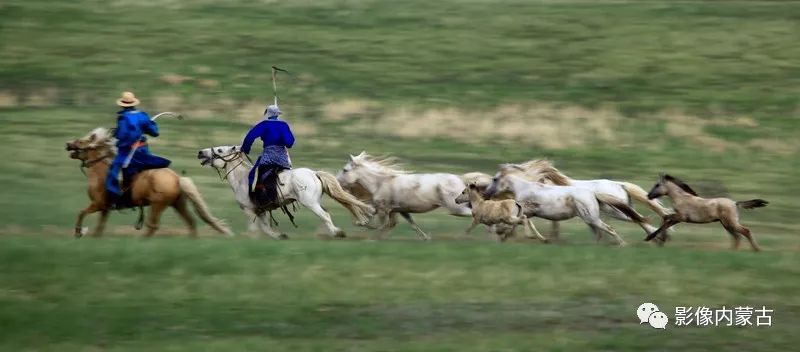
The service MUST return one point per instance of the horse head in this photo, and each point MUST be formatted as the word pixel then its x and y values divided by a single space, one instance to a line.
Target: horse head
pixel 501 183
pixel 97 142
pixel 219 156
pixel 661 189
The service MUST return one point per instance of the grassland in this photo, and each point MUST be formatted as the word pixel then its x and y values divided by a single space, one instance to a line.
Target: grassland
pixel 705 90
pixel 124 294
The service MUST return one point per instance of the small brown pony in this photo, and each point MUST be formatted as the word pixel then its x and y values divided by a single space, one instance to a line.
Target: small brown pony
pixel 693 209
pixel 158 188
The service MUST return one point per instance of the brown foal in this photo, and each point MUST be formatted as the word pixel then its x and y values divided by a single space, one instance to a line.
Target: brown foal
pixel 692 209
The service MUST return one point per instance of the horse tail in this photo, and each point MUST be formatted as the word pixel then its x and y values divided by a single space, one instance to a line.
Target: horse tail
pixel 753 203
pixel 640 195
pixel 621 206
pixel 360 210
pixel 189 190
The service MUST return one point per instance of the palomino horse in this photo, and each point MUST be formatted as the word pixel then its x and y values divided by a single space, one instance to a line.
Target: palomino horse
pixel 303 185
pixel 542 170
pixel 158 188
pixel 560 202
pixel 394 190
pixel 693 209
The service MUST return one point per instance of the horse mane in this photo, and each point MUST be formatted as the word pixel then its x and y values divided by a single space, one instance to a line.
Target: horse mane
pixel 545 169
pixel 384 164
pixel 680 184
pixel 536 164
pixel 102 137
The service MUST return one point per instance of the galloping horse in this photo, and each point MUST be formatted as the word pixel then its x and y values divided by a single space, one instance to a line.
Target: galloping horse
pixel 303 185
pixel 560 202
pixel 542 170
pixel 158 188
pixel 393 190
pixel 693 209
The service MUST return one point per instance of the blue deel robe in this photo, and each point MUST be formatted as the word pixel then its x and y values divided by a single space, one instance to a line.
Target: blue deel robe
pixel 132 125
pixel 276 136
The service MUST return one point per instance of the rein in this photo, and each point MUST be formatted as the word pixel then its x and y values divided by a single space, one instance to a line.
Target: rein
pixel 228 159
pixel 89 163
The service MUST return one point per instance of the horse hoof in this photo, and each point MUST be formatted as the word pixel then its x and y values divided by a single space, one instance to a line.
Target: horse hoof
pixel 340 234
pixel 81 231
pixel 283 236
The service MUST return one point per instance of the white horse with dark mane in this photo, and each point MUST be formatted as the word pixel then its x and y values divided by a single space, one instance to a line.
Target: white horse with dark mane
pixel 393 190
pixel 303 185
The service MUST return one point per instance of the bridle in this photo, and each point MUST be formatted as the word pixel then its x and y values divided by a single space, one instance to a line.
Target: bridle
pixel 227 159
pixel 89 163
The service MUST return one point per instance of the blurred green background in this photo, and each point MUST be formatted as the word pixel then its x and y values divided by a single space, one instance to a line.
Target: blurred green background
pixel 705 90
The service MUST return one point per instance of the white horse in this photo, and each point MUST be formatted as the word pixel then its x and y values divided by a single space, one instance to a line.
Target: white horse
pixel 302 185
pixel 543 171
pixel 560 202
pixel 393 190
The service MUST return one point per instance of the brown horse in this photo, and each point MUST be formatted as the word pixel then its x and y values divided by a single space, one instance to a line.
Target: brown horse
pixel 158 188
pixel 693 209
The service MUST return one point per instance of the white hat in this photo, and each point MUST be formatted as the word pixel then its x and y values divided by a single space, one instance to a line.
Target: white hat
pixel 272 111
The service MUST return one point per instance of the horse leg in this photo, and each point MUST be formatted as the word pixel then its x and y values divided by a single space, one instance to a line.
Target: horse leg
pixel 183 211
pixel 619 215
pixel 597 234
pixel 416 227
pixel 82 214
pixel 252 219
pixel 735 227
pixel 599 225
pixel 734 235
pixel 266 227
pixel 471 226
pixel 527 221
pixel 101 224
pixel 389 221
pixel 555 229
pixel 153 218
pixel 746 232
pixel 669 221
pixel 333 231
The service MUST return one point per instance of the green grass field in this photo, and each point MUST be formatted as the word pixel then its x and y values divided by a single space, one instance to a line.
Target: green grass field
pixel 705 90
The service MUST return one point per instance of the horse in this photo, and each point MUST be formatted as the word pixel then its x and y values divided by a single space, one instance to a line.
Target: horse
pixel 543 171
pixel 303 185
pixel 158 188
pixel 506 212
pixel 560 202
pixel 396 191
pixel 692 209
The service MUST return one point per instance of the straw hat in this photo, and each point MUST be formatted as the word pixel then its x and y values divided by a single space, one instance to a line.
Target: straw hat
pixel 127 100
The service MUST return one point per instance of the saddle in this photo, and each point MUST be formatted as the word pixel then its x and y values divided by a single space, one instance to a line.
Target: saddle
pixel 266 196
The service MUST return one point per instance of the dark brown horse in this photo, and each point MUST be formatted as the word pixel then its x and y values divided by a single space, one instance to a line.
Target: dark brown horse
pixel 157 188
pixel 693 209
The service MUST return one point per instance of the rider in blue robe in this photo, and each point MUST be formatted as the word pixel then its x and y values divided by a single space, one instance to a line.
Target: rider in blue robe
pixel 132 125
pixel 277 138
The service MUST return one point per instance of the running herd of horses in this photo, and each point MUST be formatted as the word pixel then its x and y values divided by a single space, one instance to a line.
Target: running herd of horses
pixel 376 190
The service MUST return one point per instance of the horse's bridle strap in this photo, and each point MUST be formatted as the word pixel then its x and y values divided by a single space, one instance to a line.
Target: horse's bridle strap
pixel 227 159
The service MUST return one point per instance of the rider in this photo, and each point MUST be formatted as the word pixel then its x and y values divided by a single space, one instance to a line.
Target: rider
pixel 132 124
pixel 277 137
